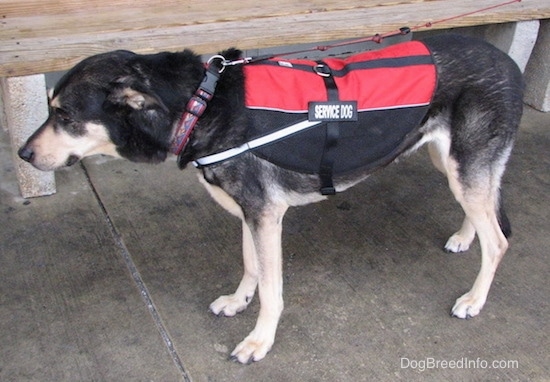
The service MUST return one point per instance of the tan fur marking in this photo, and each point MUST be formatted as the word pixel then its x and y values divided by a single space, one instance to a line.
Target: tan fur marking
pixel 53 148
pixel 222 198
pixel 55 101
pixel 100 143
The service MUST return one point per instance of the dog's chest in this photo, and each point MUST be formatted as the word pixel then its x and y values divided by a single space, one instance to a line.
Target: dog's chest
pixel 366 104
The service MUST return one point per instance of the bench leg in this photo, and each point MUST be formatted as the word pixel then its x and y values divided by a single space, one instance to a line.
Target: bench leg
pixel 516 39
pixel 537 74
pixel 25 108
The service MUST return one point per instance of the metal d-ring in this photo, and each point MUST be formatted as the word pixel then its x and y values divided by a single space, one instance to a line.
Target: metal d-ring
pixel 218 57
pixel 322 69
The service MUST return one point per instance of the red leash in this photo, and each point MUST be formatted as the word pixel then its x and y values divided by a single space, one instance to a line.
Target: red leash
pixel 429 24
pixel 377 38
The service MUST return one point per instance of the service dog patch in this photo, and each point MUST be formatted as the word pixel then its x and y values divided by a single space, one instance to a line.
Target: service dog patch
pixel 375 99
pixel 333 111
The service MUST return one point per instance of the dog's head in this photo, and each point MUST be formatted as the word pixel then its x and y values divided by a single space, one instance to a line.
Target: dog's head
pixel 115 104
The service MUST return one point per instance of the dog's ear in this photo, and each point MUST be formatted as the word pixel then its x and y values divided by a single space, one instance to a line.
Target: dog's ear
pixel 143 119
pixel 133 98
pixel 126 91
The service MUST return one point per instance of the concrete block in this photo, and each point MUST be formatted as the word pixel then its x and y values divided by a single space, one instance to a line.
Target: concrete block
pixel 517 39
pixel 537 73
pixel 3 119
pixel 25 108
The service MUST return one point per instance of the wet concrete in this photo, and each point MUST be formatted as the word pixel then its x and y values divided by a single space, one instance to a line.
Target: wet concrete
pixel 110 279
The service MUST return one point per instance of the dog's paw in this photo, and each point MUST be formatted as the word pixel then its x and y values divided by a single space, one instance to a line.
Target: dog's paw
pixel 458 243
pixel 252 349
pixel 467 307
pixel 229 305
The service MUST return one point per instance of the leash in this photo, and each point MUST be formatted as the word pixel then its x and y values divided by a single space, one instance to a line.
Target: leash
pixel 199 101
pixel 377 38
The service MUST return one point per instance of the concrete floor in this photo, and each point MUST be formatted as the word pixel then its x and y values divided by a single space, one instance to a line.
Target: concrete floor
pixel 110 279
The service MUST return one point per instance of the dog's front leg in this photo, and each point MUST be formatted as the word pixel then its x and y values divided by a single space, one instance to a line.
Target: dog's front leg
pixel 266 233
pixel 237 302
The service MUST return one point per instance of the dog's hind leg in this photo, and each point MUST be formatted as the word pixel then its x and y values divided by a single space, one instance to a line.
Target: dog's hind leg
pixel 266 232
pixel 439 154
pixel 480 201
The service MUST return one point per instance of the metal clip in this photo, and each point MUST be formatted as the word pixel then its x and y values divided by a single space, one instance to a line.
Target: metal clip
pixel 322 70
pixel 244 60
pixel 222 61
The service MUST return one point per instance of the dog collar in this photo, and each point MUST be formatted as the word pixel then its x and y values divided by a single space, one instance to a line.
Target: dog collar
pixel 196 106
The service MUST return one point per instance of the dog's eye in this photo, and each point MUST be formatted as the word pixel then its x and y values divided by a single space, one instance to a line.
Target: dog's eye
pixel 66 123
pixel 62 115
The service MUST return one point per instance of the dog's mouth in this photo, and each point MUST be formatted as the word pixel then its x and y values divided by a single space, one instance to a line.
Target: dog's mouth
pixel 72 160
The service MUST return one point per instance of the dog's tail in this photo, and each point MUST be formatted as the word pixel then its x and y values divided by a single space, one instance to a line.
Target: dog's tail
pixel 503 221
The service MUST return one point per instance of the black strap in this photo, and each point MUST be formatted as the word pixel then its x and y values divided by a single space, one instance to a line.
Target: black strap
pixel 332 133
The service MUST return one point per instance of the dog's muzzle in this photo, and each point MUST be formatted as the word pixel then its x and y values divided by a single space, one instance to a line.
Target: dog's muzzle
pixel 27 154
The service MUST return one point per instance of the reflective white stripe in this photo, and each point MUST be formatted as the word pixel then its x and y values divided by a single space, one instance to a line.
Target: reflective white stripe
pixel 215 158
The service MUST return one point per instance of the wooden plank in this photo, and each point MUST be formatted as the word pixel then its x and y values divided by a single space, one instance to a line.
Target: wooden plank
pixel 35 38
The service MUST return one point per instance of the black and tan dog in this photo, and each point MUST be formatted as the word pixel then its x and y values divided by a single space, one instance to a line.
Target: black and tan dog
pixel 128 105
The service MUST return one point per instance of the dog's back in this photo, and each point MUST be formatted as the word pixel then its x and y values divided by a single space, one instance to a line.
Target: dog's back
pixel 476 77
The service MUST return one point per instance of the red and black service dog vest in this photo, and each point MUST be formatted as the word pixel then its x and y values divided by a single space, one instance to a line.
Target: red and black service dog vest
pixel 365 105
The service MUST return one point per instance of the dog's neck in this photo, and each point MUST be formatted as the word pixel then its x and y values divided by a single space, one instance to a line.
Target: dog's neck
pixel 210 133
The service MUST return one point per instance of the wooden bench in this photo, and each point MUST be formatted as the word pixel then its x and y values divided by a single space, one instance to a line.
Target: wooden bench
pixel 38 37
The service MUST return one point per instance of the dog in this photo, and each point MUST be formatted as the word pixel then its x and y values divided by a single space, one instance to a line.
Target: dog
pixel 127 105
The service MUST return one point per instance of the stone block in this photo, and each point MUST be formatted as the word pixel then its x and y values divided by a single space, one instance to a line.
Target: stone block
pixel 537 73
pixel 517 39
pixel 25 108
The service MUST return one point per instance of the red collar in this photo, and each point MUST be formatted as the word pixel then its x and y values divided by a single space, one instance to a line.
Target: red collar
pixel 194 109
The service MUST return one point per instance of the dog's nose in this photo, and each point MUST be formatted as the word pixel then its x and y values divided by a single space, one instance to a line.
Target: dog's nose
pixel 26 153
